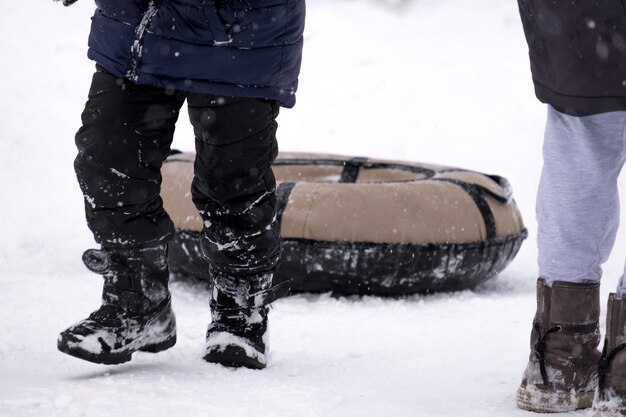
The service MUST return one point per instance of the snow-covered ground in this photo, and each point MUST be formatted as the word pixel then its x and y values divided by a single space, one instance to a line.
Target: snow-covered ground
pixel 443 81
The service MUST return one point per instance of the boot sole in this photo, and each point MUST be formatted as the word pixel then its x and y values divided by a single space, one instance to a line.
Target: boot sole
pixel 233 357
pixel 540 400
pixel 115 358
pixel 610 408
pixel 606 413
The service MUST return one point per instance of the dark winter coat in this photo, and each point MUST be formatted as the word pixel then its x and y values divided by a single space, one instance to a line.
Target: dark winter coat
pixel 245 48
pixel 577 53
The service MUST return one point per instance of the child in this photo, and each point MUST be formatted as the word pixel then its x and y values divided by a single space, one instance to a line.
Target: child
pixel 578 62
pixel 234 62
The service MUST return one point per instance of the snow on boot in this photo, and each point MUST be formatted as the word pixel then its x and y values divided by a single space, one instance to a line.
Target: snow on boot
pixel 238 333
pixel 136 312
pixel 610 397
pixel 561 374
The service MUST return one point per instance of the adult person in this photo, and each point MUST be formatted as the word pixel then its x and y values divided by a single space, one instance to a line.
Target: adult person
pixel 578 62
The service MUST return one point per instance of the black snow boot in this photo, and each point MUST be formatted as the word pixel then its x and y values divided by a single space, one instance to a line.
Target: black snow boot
pixel 136 312
pixel 238 334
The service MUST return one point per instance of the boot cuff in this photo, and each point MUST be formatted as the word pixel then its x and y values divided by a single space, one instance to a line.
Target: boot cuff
pixel 569 302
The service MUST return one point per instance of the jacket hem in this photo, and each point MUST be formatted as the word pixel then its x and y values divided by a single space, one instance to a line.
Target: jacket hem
pixel 579 106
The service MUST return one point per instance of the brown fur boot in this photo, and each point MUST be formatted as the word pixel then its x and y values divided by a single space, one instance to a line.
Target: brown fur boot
pixel 611 395
pixel 561 374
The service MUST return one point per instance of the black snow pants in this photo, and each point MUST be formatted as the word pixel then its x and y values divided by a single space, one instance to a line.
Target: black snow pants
pixel 126 135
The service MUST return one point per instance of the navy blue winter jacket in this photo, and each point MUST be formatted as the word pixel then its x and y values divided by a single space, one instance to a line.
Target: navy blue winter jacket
pixel 246 48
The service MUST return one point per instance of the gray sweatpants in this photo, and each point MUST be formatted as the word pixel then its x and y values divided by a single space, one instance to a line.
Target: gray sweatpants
pixel 577 201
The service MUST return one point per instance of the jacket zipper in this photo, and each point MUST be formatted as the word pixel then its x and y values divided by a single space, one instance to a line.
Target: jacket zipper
pixel 137 46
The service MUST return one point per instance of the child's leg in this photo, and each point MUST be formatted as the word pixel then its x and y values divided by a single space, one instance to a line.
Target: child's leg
pixel 234 191
pixel 234 186
pixel 126 134
pixel 577 202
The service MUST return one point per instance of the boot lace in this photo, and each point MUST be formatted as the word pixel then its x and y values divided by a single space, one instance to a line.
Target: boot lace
pixel 603 365
pixel 540 349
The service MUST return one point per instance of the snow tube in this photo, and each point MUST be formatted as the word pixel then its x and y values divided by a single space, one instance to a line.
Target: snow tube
pixel 367 226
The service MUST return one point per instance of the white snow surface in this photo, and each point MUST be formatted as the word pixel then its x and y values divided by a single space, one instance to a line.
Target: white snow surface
pixel 439 81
